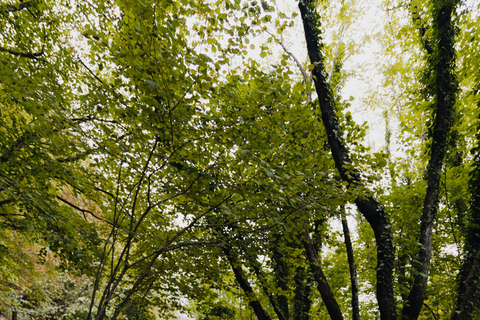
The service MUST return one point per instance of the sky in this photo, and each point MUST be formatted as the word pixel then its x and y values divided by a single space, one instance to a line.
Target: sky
pixel 367 20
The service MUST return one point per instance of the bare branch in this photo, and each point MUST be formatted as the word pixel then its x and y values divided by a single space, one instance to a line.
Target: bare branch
pixel 337 54
pixel 431 311
pixel 297 62
pixel 157 253
pixel 90 71
pixel 83 211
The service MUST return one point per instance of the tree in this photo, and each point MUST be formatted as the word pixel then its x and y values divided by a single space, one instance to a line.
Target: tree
pixel 442 88
pixel 155 161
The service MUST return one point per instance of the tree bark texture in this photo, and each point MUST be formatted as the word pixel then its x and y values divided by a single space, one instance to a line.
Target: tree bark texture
pixel 443 59
pixel 468 291
pixel 301 299
pixel 468 288
pixel 371 209
pixel 278 309
pixel 245 285
pixel 327 295
pixel 281 272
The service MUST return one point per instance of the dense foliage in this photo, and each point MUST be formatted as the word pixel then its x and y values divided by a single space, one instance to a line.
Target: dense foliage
pixel 160 158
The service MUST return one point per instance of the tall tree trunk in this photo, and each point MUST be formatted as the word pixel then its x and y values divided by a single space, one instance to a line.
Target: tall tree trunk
pixel 301 298
pixel 352 267
pixel 468 288
pixel 371 209
pixel 403 280
pixel 280 270
pixel 322 284
pixel 443 57
pixel 468 291
pixel 277 308
pixel 245 285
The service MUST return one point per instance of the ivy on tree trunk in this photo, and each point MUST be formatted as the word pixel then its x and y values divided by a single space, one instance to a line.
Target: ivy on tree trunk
pixel 371 209
pixel 444 86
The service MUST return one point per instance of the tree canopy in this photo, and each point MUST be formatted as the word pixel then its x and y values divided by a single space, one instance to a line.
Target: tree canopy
pixel 207 158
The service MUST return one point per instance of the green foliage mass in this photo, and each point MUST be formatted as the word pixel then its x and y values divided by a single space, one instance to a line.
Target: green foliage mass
pixel 161 157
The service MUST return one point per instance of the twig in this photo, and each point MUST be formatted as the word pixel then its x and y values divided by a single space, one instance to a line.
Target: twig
pixel 297 62
pixel 431 311
pixel 33 56
pixel 337 53
pixel 83 211
pixel 89 70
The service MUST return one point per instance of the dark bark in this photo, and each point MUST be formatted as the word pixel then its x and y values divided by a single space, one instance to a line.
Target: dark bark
pixel 301 299
pixel 371 209
pixel 281 275
pixel 352 268
pixel 15 147
pixel 245 285
pixel 468 290
pixel 445 89
pixel 403 280
pixel 28 55
pixel 6 201
pixel 277 308
pixel 83 211
pixel 327 295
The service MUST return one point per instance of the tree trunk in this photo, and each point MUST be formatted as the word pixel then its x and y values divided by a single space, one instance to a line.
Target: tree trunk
pixel 280 270
pixel 468 288
pixel 327 295
pixel 352 268
pixel 469 277
pixel 301 299
pixel 371 209
pixel 445 90
pixel 245 285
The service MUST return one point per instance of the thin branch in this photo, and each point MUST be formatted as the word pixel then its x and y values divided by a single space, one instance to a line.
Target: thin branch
pixel 352 266
pixel 337 54
pixel 431 311
pixel 77 157
pixel 297 62
pixel 105 191
pixel 305 76
pixel 83 211
pixel 34 56
pixel 157 253
pixel 134 227
pixel 90 71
